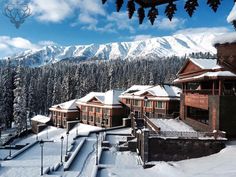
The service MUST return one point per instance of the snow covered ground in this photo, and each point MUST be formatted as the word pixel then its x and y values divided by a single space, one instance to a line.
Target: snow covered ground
pixel 172 125
pixel 220 164
pixel 117 164
pixel 28 163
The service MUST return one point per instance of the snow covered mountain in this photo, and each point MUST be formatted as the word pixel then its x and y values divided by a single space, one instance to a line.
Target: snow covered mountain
pixel 178 44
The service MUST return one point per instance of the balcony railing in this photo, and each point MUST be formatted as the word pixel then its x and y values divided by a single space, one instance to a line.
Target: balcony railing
pixel 210 92
pixel 204 92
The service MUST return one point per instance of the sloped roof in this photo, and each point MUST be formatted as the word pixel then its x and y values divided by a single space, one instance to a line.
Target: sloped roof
pixel 136 88
pixel 208 75
pixel 161 91
pixel 225 38
pixel 232 14
pixel 41 119
pixel 66 105
pixel 91 95
pixel 202 63
pixel 206 63
pixel 110 97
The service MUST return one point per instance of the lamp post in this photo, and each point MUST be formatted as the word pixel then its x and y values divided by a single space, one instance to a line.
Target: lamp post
pixel 145 101
pixel 47 132
pixel 67 137
pixel 96 148
pixel 10 150
pixel 77 130
pixel 62 138
pixel 132 103
pixel 37 138
pixel 41 143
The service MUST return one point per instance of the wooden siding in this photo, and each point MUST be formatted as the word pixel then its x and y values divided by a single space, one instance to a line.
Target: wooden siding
pixel 226 54
pixel 197 101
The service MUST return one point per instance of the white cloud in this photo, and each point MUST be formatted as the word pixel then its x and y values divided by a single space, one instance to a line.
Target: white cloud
pixel 87 19
pixel 140 37
pixel 50 10
pixel 9 46
pixel 121 21
pixel 59 10
pixel 163 23
pixel 203 30
pixel 12 45
pixel 46 43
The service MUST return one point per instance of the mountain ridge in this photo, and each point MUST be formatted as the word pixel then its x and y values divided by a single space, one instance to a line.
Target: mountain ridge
pixel 167 46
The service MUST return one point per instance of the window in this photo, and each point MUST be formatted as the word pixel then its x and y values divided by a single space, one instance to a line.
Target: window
pixel 84 109
pixel 160 104
pixel 59 114
pixel 137 114
pixel 106 121
pixel 84 116
pixel 91 118
pixel 127 101
pixel 149 104
pixel 98 109
pixel 137 102
pixel 98 119
pixel 64 115
pixel 90 109
pixel 198 114
pixel 106 111
pixel 54 113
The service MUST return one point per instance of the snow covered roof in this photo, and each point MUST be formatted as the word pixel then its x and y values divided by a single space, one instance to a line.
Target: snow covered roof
pixel 206 63
pixel 69 105
pixel 88 97
pixel 161 91
pixel 41 119
pixel 110 97
pixel 225 38
pixel 136 88
pixel 209 75
pixel 232 15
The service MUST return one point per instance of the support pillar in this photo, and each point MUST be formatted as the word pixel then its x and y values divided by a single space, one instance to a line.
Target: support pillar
pixel 145 147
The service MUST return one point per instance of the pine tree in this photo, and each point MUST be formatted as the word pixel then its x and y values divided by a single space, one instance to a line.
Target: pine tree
pixel 19 102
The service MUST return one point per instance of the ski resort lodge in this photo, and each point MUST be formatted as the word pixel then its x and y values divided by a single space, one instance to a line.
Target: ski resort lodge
pixel 102 109
pixel 208 101
pixel 64 112
pixel 153 101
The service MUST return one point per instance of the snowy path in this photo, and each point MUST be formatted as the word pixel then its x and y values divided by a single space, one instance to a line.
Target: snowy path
pixel 82 156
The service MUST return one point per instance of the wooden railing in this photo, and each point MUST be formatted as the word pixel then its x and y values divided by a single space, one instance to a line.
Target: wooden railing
pixel 210 92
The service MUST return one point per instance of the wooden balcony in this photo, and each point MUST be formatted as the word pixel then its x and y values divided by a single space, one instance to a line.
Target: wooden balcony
pixel 196 100
pixel 211 92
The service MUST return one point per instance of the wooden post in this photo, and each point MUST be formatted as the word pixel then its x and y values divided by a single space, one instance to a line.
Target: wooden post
pixel 220 87
pixel 213 88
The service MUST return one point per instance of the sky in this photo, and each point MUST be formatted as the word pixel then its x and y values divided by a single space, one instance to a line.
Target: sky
pixel 79 22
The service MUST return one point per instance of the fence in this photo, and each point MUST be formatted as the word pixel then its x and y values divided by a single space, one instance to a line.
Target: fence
pixel 192 135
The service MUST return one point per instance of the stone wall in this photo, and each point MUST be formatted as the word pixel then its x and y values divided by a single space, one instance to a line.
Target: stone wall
pixel 180 149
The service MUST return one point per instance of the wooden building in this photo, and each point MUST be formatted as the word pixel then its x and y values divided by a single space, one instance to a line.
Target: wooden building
pixel 39 122
pixel 161 101
pixel 102 109
pixel 64 112
pixel 208 101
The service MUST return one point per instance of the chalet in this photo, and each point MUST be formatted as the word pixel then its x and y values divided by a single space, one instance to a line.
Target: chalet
pixel 102 109
pixel 64 112
pixel 208 100
pixel 155 101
